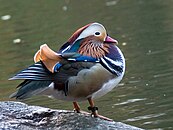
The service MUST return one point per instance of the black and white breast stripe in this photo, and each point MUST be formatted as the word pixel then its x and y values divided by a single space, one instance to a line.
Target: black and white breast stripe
pixel 115 67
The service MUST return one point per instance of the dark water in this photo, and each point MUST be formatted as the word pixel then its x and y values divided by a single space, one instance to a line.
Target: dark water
pixel 144 29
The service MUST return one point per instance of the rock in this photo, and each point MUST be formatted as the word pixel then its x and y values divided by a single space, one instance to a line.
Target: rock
pixel 20 116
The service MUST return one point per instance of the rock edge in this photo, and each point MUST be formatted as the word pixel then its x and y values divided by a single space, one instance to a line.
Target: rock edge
pixel 20 116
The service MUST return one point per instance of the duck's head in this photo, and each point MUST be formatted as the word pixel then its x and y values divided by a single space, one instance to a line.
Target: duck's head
pixel 94 31
pixel 91 40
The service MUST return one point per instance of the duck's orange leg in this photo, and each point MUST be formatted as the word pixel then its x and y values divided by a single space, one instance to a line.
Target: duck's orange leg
pixel 94 110
pixel 76 107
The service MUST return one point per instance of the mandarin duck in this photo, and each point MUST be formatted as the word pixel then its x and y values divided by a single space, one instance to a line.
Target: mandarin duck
pixel 86 67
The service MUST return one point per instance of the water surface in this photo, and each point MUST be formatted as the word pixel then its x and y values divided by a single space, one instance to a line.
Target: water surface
pixel 143 28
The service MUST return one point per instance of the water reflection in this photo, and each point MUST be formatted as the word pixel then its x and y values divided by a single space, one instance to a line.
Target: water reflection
pixel 145 117
pixel 129 101
pixel 144 30
pixel 5 17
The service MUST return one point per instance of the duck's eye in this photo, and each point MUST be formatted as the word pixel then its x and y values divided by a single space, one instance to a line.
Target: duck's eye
pixel 97 33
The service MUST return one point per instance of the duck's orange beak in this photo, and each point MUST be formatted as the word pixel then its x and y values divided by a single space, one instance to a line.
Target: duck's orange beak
pixel 110 40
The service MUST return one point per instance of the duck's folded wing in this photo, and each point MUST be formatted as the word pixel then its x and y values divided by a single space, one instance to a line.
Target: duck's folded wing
pixel 74 56
pixel 36 79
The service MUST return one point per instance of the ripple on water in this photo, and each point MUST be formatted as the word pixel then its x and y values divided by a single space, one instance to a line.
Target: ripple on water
pixel 130 101
pixel 150 52
pixel 163 75
pixel 6 17
pixel 111 3
pixel 145 117
pixel 134 81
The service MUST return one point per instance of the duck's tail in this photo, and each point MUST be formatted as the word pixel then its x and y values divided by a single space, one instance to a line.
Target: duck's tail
pixel 36 79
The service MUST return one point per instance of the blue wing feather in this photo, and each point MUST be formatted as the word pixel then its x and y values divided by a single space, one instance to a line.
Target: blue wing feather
pixel 82 58
pixel 74 47
pixel 70 53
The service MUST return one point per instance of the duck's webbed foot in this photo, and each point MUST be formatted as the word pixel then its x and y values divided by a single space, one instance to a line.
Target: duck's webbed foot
pixel 94 110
